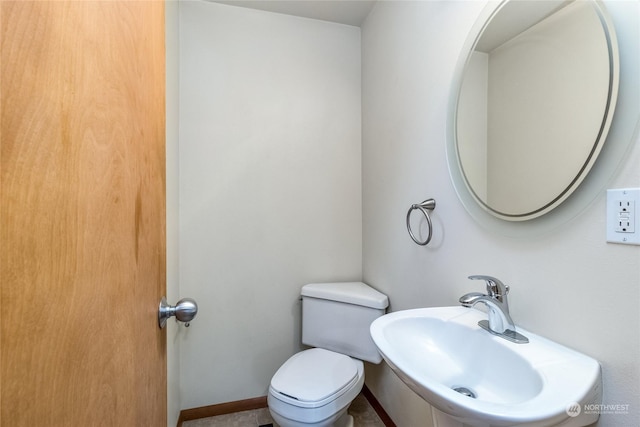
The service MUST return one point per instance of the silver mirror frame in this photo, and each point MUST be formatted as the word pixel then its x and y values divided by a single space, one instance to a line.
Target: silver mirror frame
pixel 623 131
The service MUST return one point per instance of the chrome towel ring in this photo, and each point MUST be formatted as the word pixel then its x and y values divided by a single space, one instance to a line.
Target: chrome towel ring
pixel 424 207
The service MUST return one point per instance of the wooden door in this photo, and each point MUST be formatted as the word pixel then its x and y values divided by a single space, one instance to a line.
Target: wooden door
pixel 82 213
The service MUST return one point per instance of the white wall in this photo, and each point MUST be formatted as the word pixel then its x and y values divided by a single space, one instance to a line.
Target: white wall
pixel 270 186
pixel 569 285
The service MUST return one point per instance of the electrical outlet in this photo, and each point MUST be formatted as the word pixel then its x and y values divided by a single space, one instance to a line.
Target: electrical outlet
pixel 625 216
pixel 623 222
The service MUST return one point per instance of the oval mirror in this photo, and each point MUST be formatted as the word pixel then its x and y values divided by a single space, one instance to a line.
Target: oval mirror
pixel 535 103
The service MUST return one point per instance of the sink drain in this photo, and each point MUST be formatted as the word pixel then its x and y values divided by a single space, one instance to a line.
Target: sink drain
pixel 465 391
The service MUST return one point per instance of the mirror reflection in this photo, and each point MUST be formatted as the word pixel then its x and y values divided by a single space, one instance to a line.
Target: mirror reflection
pixel 535 105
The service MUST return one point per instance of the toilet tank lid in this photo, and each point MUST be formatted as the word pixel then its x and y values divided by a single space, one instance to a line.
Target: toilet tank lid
pixel 357 293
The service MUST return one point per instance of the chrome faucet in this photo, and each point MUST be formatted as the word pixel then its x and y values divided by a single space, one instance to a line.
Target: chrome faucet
pixel 500 322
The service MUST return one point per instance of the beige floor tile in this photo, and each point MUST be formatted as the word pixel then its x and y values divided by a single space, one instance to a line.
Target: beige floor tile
pixel 363 414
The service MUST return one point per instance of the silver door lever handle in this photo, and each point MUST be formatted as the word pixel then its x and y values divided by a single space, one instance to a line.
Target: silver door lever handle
pixel 185 310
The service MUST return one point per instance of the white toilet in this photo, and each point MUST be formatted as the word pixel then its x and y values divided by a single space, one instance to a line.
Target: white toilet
pixel 315 387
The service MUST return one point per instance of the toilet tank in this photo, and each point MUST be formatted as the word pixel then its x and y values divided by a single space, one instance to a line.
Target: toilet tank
pixel 337 316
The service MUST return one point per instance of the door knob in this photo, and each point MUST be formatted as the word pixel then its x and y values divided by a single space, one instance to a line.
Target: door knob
pixel 185 310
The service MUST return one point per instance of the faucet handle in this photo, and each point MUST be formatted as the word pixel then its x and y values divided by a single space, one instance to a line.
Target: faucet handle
pixel 495 288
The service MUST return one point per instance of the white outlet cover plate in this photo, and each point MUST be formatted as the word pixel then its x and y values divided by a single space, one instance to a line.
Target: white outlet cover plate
pixel 614 197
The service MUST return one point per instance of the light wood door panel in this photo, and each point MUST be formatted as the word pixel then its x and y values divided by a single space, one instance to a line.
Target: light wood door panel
pixel 82 213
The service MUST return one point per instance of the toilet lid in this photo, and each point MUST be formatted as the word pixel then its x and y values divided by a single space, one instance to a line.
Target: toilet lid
pixel 315 374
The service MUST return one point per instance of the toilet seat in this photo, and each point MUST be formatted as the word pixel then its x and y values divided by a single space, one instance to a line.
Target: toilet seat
pixel 314 377
pixel 288 411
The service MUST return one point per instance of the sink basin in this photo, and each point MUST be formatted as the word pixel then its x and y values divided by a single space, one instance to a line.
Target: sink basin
pixel 480 379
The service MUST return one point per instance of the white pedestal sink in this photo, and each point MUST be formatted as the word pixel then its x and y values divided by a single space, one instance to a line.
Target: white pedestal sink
pixel 483 380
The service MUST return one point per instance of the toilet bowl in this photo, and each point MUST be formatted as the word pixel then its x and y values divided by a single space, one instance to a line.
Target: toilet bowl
pixel 316 386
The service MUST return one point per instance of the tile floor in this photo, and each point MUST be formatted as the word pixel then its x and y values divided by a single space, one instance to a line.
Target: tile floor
pixel 363 415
